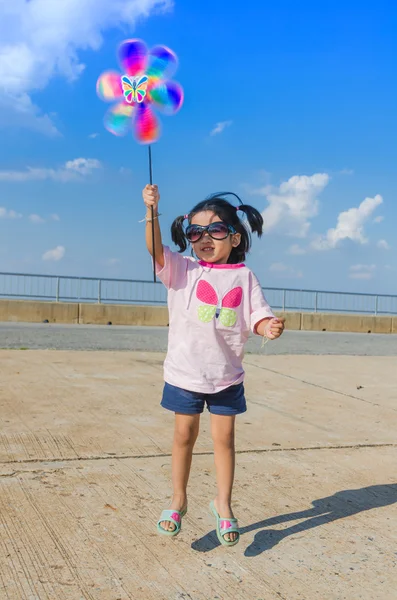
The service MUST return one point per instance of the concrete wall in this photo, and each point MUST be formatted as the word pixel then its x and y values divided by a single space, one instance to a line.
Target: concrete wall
pixel 349 323
pixel 394 325
pixel 101 314
pixel 36 312
pixel 293 320
pixel 157 316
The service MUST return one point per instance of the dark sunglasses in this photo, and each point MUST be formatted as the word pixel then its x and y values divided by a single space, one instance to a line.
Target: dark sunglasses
pixel 218 231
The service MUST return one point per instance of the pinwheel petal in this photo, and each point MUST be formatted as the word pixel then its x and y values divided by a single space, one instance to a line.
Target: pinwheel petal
pixel 108 86
pixel 133 57
pixel 146 126
pixel 162 63
pixel 167 97
pixel 118 118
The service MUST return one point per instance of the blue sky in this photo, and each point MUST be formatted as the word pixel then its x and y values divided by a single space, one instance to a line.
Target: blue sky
pixel 291 105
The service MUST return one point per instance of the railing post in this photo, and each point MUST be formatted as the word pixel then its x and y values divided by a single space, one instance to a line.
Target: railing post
pixel 99 290
pixel 57 289
pixel 376 304
pixel 315 302
pixel 284 295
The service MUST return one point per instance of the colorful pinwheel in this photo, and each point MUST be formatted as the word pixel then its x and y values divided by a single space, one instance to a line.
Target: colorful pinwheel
pixel 143 84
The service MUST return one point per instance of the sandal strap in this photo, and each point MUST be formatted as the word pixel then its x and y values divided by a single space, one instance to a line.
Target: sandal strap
pixel 228 526
pixel 173 516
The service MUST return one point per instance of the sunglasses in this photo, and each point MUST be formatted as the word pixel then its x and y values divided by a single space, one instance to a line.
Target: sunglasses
pixel 218 231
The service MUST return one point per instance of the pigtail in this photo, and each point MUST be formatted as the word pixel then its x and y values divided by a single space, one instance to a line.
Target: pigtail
pixel 254 217
pixel 177 233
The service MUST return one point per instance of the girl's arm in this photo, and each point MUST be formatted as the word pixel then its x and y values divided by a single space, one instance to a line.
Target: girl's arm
pixel 263 321
pixel 151 197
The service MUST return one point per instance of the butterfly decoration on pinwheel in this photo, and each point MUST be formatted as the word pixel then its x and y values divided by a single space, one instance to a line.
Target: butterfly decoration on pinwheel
pixel 145 84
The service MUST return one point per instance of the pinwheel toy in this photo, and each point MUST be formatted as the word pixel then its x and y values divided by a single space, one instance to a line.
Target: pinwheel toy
pixel 143 85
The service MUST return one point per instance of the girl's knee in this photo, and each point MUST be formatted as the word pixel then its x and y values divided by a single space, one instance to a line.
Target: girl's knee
pixel 222 430
pixel 186 433
pixel 224 438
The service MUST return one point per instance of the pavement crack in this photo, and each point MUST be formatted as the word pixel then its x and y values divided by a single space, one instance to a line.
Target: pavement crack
pixel 168 455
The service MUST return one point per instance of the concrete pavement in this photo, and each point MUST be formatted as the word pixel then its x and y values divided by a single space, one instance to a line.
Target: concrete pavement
pixel 40 336
pixel 85 472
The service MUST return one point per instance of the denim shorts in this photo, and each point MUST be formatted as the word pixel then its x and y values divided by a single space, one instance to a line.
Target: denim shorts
pixel 230 401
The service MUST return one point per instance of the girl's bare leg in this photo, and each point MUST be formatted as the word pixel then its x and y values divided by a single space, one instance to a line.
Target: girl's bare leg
pixel 185 436
pixel 222 429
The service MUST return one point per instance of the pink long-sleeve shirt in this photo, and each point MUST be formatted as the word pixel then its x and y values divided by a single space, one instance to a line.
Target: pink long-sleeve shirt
pixel 212 309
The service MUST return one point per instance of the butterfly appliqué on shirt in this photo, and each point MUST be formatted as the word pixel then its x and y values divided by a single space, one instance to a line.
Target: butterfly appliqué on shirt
pixel 216 307
pixel 134 88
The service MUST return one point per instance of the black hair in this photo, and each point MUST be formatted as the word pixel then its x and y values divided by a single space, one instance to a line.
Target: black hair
pixel 227 213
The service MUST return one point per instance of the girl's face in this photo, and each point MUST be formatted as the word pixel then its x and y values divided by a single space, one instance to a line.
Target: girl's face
pixel 208 249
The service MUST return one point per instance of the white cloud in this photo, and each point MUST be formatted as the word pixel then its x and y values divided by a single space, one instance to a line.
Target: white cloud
pixel 383 244
pixel 277 267
pixel 283 270
pixel 296 250
pixel 350 225
pixel 42 39
pixel 293 204
pixel 220 127
pixel 83 166
pixel 17 110
pixel 9 214
pixel 36 219
pixel 93 136
pixel 72 170
pixel 125 171
pixel 55 254
pixel 362 267
pixel 112 262
pixel 347 172
pixel 379 219
pixel 362 271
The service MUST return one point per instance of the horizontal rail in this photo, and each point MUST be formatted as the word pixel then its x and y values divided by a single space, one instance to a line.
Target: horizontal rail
pixel 61 288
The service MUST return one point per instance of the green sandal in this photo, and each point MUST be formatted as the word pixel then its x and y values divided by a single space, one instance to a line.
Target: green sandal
pixel 224 526
pixel 175 517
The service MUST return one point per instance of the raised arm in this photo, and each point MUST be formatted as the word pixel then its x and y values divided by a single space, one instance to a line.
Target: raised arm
pixel 151 198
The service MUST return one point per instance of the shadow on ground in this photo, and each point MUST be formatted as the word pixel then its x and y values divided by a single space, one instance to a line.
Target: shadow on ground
pixel 325 510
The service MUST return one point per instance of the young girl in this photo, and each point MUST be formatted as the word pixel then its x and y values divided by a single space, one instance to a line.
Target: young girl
pixel 214 302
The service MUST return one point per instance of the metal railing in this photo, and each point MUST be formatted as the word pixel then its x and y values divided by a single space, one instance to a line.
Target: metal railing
pixel 80 289
pixel 133 291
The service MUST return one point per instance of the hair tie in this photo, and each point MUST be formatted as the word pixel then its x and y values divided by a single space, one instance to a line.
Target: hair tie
pixel 185 217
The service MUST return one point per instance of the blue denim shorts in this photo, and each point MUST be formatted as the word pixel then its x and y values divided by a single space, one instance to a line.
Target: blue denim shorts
pixel 230 401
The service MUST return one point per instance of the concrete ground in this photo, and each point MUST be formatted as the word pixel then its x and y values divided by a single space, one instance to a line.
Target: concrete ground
pixel 40 336
pixel 85 472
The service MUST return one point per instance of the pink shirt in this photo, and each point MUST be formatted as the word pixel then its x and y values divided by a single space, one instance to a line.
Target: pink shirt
pixel 212 310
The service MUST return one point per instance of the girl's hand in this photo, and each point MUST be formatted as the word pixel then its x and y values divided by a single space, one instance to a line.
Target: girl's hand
pixel 274 328
pixel 151 196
